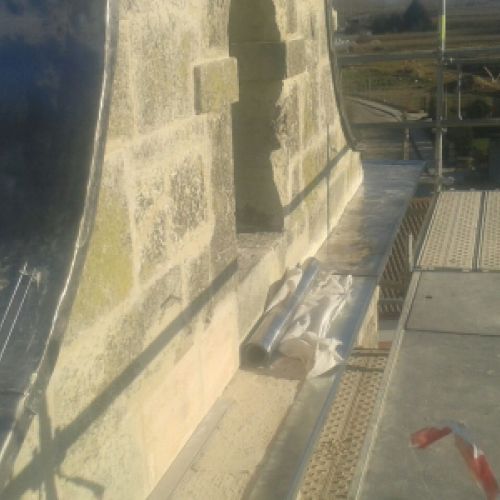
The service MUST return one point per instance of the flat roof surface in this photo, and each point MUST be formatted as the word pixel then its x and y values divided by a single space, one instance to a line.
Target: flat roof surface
pixel 445 362
pixel 455 302
pixel 437 377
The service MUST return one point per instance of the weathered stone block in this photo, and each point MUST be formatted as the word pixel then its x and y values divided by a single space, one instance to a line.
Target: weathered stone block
pixel 94 361
pixel 309 111
pixel 223 244
pixel 318 215
pixel 169 184
pixel 178 398
pixel 216 85
pixel 311 168
pixel 189 200
pixel 296 223
pixel 292 16
pixel 219 349
pixel 327 95
pixel 221 143
pixel 312 56
pixel 155 244
pixel 182 210
pixel 121 119
pixel 288 122
pixel 197 276
pixel 296 179
pixel 217 19
pixel 107 467
pixel 170 411
pixel 162 50
pixel 323 39
pixel 155 157
pixel 107 276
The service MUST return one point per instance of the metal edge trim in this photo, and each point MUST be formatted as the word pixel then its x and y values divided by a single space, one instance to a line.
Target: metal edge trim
pixel 371 435
pixel 323 414
pixel 426 229
pixel 335 70
pixel 478 256
pixel 40 378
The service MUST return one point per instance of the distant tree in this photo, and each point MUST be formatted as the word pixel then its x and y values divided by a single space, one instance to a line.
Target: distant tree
pixel 392 23
pixel 417 18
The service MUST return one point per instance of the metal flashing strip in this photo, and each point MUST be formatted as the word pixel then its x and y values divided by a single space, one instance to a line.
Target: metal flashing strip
pixel 373 426
pixel 489 246
pixel 452 235
pixel 286 461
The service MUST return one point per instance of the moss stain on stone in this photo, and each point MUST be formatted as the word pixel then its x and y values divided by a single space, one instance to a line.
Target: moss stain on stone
pixel 107 275
pixel 310 170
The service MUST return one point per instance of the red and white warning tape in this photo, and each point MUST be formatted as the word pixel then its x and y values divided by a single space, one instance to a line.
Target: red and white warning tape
pixel 474 457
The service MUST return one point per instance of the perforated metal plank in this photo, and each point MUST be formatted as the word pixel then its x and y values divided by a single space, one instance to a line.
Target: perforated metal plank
pixel 489 249
pixel 334 460
pixel 452 236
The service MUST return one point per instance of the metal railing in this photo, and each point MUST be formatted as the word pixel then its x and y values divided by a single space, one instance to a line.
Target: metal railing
pixel 444 57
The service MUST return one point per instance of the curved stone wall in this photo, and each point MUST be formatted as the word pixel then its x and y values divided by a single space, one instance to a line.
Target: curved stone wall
pixel 223 136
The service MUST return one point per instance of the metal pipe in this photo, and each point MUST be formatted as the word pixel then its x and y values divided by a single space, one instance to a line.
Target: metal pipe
pixel 440 93
pixel 336 73
pixel 266 338
pixel 460 54
pixel 426 124
pixel 406 144
pixel 459 91
pixel 411 254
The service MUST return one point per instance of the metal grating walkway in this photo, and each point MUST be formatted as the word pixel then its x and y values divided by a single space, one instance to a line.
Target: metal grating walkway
pixel 396 276
pixel 332 465
pixel 489 250
pixel 452 235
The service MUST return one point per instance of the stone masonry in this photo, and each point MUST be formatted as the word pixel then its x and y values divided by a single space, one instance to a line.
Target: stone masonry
pixel 225 164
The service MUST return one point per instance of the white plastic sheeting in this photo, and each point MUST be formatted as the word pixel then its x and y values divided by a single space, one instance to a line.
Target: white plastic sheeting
pixel 308 337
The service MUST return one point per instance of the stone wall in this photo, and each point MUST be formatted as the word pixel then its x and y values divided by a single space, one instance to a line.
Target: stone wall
pixel 188 235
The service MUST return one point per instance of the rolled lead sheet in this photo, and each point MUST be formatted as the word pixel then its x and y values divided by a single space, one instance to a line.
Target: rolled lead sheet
pixel 309 337
pixel 268 334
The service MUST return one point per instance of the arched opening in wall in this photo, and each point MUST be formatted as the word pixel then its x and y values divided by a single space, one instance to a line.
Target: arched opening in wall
pixel 254 40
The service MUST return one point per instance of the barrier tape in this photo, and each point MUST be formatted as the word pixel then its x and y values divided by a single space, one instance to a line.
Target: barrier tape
pixel 474 457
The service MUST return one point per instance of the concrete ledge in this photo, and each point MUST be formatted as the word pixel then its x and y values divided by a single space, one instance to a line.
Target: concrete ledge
pixel 270 60
pixel 215 85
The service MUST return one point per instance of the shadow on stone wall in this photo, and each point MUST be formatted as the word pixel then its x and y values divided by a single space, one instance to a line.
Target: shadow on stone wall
pixel 42 469
pixel 254 40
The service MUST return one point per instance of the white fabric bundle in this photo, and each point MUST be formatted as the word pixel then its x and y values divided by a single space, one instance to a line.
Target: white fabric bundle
pixel 307 337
